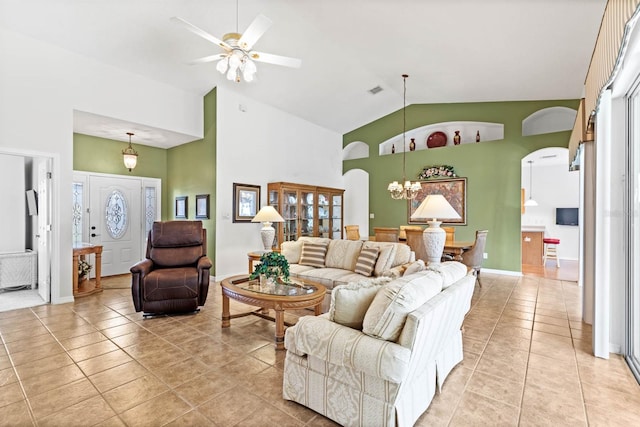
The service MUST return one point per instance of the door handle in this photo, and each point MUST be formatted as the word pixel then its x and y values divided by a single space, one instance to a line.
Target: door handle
pixel 94 235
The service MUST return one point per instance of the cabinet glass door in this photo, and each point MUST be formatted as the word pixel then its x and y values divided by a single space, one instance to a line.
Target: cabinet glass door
pixel 324 215
pixel 307 213
pixel 273 201
pixel 290 215
pixel 336 216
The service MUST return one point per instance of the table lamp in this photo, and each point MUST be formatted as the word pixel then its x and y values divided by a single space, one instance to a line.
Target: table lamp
pixel 267 216
pixel 434 206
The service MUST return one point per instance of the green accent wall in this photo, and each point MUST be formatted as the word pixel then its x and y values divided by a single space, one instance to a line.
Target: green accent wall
pixel 492 169
pixel 191 170
pixel 101 155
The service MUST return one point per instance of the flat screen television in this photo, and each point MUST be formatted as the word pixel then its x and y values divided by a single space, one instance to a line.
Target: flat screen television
pixel 567 216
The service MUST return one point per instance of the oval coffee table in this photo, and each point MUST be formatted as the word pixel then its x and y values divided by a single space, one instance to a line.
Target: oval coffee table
pixel 302 294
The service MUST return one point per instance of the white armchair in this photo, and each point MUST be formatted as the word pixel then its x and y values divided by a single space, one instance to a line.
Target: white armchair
pixel 358 380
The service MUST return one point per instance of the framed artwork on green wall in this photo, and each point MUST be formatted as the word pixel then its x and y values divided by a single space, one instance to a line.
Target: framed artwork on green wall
pixel 454 190
pixel 181 207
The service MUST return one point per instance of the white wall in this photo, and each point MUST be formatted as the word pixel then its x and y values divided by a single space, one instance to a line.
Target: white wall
pixel 554 186
pixel 356 200
pixel 12 214
pixel 41 85
pixel 260 145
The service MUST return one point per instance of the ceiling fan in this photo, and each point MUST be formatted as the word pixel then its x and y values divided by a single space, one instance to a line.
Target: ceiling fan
pixel 238 57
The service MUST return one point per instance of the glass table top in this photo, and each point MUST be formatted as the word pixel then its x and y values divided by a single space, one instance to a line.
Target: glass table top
pixel 292 288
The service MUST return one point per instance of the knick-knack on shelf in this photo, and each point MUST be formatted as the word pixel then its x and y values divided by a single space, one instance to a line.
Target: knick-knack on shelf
pixel 478 136
pixel 456 138
pixel 393 148
pixel 412 145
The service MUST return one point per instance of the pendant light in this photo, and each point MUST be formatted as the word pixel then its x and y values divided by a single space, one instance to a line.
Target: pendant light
pixel 407 190
pixel 130 156
pixel 530 201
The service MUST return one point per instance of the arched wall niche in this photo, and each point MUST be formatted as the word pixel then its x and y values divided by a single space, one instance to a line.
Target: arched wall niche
pixel 548 120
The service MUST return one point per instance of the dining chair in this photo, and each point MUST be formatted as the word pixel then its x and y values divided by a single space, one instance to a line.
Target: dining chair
pixel 451 231
pixel 415 241
pixel 386 234
pixel 352 232
pixel 404 228
pixel 473 257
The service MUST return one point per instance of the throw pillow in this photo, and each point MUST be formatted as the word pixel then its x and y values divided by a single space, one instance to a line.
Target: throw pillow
pixel 366 261
pixel 291 251
pixel 388 312
pixel 414 267
pixel 385 259
pixel 313 254
pixel 350 302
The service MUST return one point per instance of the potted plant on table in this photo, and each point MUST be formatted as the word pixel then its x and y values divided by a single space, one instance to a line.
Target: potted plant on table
pixel 272 265
pixel 83 270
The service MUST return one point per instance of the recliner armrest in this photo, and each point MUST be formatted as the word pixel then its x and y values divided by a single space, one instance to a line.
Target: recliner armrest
pixel 204 263
pixel 142 267
pixel 343 346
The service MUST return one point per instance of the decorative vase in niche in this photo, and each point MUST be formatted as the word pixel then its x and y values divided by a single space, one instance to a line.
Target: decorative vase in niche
pixel 393 149
pixel 412 145
pixel 456 138
pixel 478 136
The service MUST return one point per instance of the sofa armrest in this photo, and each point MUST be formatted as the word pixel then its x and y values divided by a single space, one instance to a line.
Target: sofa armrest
pixel 138 271
pixel 343 346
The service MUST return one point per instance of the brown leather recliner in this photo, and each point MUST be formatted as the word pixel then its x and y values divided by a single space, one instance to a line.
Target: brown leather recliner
pixel 175 276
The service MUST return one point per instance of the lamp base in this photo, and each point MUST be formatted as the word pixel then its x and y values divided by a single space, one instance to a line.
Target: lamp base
pixel 434 238
pixel 267 233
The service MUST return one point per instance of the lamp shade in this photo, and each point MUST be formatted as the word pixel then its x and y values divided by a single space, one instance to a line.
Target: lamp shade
pixel 268 214
pixel 435 206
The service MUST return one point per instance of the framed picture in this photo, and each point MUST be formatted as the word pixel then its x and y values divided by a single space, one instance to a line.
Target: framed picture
pixel 246 202
pixel 202 206
pixel 454 190
pixel 181 207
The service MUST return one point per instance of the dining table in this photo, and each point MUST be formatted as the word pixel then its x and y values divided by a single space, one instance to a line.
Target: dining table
pixel 457 248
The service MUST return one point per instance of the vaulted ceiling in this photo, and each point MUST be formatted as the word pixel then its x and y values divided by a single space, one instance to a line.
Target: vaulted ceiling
pixel 453 50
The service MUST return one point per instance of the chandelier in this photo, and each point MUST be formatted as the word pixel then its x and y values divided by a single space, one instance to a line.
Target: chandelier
pixel 408 190
pixel 130 156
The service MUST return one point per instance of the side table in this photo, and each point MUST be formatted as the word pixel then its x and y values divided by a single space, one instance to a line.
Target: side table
pixel 88 287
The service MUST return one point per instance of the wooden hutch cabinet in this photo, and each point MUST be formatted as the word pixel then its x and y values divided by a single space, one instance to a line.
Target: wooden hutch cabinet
pixel 307 211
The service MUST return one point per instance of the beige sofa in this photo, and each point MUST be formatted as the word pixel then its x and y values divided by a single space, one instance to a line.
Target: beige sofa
pixel 377 357
pixel 339 264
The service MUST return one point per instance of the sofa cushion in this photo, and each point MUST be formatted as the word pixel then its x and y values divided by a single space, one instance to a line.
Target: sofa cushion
pixel 366 261
pixel 291 250
pixel 350 302
pixel 387 313
pixel 343 254
pixel 385 258
pixel 414 267
pixel 329 277
pixel 451 272
pixel 313 254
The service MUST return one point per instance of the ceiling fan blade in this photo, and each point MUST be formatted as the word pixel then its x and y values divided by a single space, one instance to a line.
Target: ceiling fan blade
pixel 201 33
pixel 209 58
pixel 276 59
pixel 255 30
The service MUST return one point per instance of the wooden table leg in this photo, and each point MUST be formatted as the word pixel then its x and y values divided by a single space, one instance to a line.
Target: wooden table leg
pixel 457 255
pixel 226 316
pixel 98 268
pixel 318 309
pixel 279 328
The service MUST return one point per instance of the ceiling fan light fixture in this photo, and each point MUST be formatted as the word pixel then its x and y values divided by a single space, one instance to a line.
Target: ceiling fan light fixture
pixel 222 65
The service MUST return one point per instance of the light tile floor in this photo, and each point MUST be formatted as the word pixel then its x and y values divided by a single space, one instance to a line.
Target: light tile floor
pixel 97 362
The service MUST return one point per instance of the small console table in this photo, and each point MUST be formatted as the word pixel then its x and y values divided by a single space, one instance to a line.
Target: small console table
pixel 87 287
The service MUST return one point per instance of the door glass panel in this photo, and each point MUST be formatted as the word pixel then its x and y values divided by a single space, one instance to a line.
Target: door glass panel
pixel 78 208
pixel 116 214
pixel 149 208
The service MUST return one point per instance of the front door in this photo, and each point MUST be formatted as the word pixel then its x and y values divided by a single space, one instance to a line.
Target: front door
pixel 115 221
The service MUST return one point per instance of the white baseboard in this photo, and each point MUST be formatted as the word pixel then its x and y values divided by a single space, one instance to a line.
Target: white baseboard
pixel 502 272
pixel 62 300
